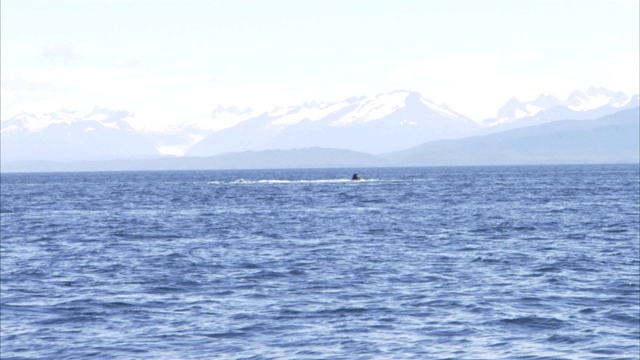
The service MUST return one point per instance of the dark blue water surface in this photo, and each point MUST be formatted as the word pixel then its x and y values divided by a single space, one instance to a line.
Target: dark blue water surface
pixel 421 263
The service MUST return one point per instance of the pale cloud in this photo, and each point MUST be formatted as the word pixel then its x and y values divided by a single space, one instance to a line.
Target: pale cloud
pixel 62 52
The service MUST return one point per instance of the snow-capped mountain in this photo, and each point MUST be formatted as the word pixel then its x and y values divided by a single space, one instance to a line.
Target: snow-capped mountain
pixel 25 122
pixel 70 135
pixel 590 104
pixel 372 124
pixel 376 124
pixel 595 98
pixel 515 109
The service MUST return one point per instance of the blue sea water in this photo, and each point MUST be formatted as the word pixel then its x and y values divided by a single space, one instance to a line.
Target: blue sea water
pixel 537 262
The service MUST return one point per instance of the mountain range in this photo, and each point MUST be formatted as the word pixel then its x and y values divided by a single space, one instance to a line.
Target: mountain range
pixel 378 124
pixel 381 124
pixel 614 138
pixel 68 135
pixel 591 104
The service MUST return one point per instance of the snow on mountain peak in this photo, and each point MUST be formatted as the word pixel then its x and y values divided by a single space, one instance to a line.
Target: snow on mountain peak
pixel 230 110
pixel 515 109
pixel 366 109
pixel 594 98
pixel 295 115
pixel 373 108
pixel 580 101
pixel 20 122
pixel 102 119
pixel 34 123
pixel 439 108
pixel 115 119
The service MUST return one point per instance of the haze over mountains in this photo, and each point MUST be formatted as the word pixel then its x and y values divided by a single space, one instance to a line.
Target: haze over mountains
pixel 593 103
pixel 384 124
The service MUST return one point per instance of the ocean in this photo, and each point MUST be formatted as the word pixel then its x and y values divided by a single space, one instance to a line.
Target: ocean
pixel 522 262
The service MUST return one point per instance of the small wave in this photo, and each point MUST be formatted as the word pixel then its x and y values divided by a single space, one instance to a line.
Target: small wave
pixel 563 339
pixel 165 290
pixel 267 274
pixel 616 231
pixel 60 320
pixel 623 317
pixel 374 201
pixel 249 265
pixel 345 311
pixel 548 269
pixel 224 335
pixel 534 322
pixel 488 260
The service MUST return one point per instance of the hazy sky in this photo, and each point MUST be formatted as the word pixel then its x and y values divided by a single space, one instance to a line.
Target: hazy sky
pixel 176 61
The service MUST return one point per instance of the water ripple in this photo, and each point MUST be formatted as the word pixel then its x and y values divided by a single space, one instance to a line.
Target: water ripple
pixel 451 263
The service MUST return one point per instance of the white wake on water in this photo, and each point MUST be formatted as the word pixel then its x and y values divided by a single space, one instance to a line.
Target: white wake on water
pixel 280 181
